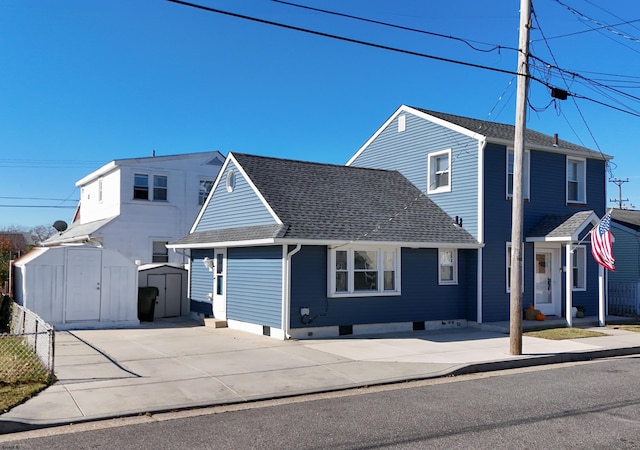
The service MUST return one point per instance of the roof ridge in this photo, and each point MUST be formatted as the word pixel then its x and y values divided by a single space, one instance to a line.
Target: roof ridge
pixel 314 163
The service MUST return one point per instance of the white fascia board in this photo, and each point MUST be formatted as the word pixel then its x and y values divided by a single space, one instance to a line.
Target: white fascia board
pixel 270 241
pixel 375 135
pixel 550 239
pixel 561 150
pixel 446 124
pixel 257 191
pixel 97 173
pixel 231 159
pixel 415 112
pixel 204 206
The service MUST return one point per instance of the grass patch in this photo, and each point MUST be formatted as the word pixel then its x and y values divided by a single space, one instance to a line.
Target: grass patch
pixel 626 327
pixel 558 334
pixel 22 374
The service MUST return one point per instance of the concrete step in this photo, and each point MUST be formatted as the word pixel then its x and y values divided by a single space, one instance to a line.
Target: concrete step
pixel 215 323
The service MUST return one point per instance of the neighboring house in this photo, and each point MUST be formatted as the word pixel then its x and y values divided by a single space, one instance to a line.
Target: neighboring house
pixel 298 249
pixel 624 283
pixel 138 205
pixel 466 167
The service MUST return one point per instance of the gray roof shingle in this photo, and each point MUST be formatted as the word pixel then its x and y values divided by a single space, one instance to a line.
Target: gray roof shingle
pixel 627 217
pixel 506 132
pixel 559 226
pixel 328 202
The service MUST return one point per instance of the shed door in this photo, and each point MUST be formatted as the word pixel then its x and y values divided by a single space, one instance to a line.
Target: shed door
pixel 169 294
pixel 83 285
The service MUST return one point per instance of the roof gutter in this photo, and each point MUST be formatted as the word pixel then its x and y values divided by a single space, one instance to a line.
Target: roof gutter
pixel 330 243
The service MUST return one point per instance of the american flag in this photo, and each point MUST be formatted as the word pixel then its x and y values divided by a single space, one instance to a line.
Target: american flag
pixel 601 243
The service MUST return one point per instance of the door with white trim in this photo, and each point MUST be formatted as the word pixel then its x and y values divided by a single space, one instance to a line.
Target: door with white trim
pixel 220 284
pixel 547 281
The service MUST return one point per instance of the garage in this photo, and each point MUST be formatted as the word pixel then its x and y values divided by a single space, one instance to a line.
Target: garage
pixel 77 286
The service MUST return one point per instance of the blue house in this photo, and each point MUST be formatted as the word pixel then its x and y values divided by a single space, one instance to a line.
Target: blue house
pixel 465 166
pixel 298 249
pixel 624 283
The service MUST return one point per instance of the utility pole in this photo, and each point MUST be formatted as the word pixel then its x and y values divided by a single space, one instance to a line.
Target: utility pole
pixel 515 328
pixel 619 183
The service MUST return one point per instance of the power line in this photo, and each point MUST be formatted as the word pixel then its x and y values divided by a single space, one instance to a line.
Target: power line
pixel 494 47
pixel 389 48
pixel 39 206
pixel 40 198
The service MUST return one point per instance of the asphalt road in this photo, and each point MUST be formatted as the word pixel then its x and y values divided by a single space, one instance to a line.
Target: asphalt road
pixel 588 405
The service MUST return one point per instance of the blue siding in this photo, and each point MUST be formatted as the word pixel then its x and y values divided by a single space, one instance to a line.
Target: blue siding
pixel 626 251
pixel 240 208
pixel 254 285
pixel 407 152
pixel 201 283
pixel 547 196
pixel 422 298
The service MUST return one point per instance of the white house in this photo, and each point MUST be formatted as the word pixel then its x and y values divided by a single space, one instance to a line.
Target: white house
pixel 138 205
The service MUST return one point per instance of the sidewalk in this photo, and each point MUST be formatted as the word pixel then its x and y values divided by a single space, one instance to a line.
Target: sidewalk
pixel 169 365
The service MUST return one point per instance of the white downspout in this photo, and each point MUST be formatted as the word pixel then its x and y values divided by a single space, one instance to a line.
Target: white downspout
pixel 286 286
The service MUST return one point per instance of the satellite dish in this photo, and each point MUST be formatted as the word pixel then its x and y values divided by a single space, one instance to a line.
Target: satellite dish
pixel 60 225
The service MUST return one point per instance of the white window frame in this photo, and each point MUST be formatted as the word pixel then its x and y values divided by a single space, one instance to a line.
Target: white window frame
pixel 139 187
pixel 579 265
pixel 350 270
pixel 160 188
pixel 581 180
pixel 453 265
pixel 526 165
pixel 99 190
pixel 432 172
pixel 157 257
pixel 508 267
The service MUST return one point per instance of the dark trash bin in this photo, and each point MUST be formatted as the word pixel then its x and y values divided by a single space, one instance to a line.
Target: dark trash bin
pixel 5 313
pixel 147 303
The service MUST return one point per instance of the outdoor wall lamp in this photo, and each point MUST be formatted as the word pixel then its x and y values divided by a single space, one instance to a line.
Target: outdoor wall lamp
pixel 208 263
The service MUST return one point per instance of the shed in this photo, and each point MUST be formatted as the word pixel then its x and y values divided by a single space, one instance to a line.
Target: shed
pixel 171 281
pixel 78 286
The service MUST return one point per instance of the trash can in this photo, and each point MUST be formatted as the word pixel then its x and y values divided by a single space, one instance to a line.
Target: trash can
pixel 147 303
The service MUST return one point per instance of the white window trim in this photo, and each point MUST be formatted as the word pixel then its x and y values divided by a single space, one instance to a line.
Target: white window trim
pixel 506 268
pixel 582 254
pixel 526 183
pixel 153 189
pixel 582 180
pixel 430 176
pixel 331 273
pixel 454 265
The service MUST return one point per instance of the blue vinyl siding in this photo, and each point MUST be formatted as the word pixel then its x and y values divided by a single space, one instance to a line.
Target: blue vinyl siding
pixel 422 298
pixel 240 208
pixel 254 285
pixel 407 152
pixel 626 251
pixel 201 283
pixel 547 196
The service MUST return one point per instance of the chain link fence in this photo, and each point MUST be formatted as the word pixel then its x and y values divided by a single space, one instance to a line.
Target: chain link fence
pixel 26 346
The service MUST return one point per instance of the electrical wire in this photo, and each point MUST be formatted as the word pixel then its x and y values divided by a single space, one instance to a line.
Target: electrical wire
pixel 493 48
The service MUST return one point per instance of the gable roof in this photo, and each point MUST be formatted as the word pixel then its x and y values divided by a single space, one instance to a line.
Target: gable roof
pixel 627 217
pixel 504 133
pixel 562 228
pixel 338 204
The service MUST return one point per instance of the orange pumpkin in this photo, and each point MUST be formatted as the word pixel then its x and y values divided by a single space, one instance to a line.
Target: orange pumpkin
pixel 540 317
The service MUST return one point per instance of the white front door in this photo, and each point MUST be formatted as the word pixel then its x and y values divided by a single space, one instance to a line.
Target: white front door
pixel 220 284
pixel 547 281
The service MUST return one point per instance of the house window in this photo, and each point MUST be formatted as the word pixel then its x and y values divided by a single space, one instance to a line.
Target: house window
pixel 525 173
pixel 141 186
pixel 160 187
pixel 447 266
pixel 205 188
pixel 576 176
pixel 579 268
pixel 439 172
pixel 363 271
pixel 100 190
pixel 508 265
pixel 160 252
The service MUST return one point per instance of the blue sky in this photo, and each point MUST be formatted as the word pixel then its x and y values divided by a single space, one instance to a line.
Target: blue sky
pixel 85 82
